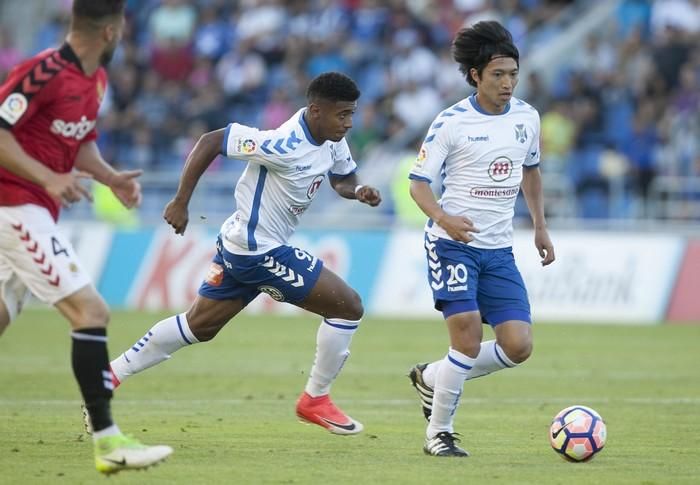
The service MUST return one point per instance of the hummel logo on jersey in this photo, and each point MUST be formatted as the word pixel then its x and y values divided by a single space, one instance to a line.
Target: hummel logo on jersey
pixel 77 130
pixel 478 138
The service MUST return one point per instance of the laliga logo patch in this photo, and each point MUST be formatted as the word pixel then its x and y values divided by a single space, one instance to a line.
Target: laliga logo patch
pixel 422 155
pixel 274 293
pixel 13 107
pixel 501 169
pixel 246 146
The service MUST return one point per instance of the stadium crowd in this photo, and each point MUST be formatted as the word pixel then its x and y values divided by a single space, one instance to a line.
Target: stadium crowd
pixel 622 110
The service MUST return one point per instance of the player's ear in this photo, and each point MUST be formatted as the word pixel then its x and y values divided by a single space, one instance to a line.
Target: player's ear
pixel 474 74
pixel 314 110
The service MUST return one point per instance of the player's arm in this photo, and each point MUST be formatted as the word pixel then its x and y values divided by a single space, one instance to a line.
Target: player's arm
pixel 64 187
pixel 532 190
pixel 458 227
pixel 349 187
pixel 208 147
pixel 123 183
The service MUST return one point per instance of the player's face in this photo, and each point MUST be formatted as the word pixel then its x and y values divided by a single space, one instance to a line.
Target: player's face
pixel 336 119
pixel 112 35
pixel 497 82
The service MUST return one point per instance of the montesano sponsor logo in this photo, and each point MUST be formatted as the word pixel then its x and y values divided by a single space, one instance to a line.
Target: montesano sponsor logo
pixel 494 192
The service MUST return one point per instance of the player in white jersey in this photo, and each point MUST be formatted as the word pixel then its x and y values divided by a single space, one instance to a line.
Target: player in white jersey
pixel 285 169
pixel 486 147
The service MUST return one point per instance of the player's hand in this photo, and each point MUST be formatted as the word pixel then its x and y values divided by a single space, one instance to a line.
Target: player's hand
pixel 66 187
pixel 369 195
pixel 544 246
pixel 126 188
pixel 457 227
pixel 177 215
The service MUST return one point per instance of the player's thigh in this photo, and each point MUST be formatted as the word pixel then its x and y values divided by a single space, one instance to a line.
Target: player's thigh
pixel 502 295
pixel 453 270
pixel 221 297
pixel 331 297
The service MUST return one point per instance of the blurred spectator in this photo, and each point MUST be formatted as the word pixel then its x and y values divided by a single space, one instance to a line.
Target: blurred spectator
pixel 9 55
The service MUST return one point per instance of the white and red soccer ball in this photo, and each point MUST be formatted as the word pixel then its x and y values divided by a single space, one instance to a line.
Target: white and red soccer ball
pixel 577 433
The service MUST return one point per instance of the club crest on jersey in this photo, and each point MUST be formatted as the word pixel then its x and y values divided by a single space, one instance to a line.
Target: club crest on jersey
pixel 315 184
pixel 274 293
pixel 501 169
pixel 13 107
pixel 245 146
pixel 520 133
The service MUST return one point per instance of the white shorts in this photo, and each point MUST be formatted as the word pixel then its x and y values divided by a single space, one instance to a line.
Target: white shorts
pixel 35 257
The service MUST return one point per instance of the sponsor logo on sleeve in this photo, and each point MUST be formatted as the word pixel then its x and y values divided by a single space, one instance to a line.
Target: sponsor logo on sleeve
pixel 245 146
pixel 420 159
pixel 14 106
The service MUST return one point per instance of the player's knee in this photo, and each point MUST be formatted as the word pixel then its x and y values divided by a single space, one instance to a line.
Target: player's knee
pixel 518 352
pixel 204 327
pixel 95 314
pixel 353 308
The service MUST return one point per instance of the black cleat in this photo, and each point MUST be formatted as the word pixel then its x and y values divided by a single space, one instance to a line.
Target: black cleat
pixel 443 444
pixel 425 392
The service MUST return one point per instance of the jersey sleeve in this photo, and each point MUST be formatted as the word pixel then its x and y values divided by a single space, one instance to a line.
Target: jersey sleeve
pixel 21 95
pixel 532 159
pixel 343 164
pixel 252 145
pixel 432 154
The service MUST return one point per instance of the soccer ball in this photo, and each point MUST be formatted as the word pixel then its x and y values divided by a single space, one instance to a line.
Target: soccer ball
pixel 577 433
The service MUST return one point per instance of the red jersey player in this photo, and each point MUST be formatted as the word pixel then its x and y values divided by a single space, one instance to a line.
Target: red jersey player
pixel 48 110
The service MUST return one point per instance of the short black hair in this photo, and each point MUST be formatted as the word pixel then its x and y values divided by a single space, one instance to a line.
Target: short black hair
pixel 332 86
pixel 475 46
pixel 97 10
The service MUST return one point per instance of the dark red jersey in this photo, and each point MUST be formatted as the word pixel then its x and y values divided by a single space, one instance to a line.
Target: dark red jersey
pixel 50 106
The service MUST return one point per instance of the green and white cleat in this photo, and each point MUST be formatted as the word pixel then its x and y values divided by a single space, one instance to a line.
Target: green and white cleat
pixel 119 452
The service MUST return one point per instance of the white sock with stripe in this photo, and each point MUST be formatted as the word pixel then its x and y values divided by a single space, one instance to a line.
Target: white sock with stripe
pixel 448 388
pixel 332 344
pixel 159 343
pixel 491 358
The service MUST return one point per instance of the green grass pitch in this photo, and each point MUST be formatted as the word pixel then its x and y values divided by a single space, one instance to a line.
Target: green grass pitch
pixel 227 407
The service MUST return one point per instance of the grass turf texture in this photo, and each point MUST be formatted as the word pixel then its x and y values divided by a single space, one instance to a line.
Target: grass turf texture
pixel 227 407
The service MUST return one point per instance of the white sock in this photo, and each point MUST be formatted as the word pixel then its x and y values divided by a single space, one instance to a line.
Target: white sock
pixel 332 343
pixel 109 431
pixel 491 358
pixel 166 337
pixel 448 388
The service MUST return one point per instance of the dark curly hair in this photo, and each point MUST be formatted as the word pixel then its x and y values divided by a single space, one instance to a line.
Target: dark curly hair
pixel 332 86
pixel 97 10
pixel 476 46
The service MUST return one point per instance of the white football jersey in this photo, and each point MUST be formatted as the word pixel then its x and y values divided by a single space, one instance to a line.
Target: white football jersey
pixel 285 169
pixel 480 159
